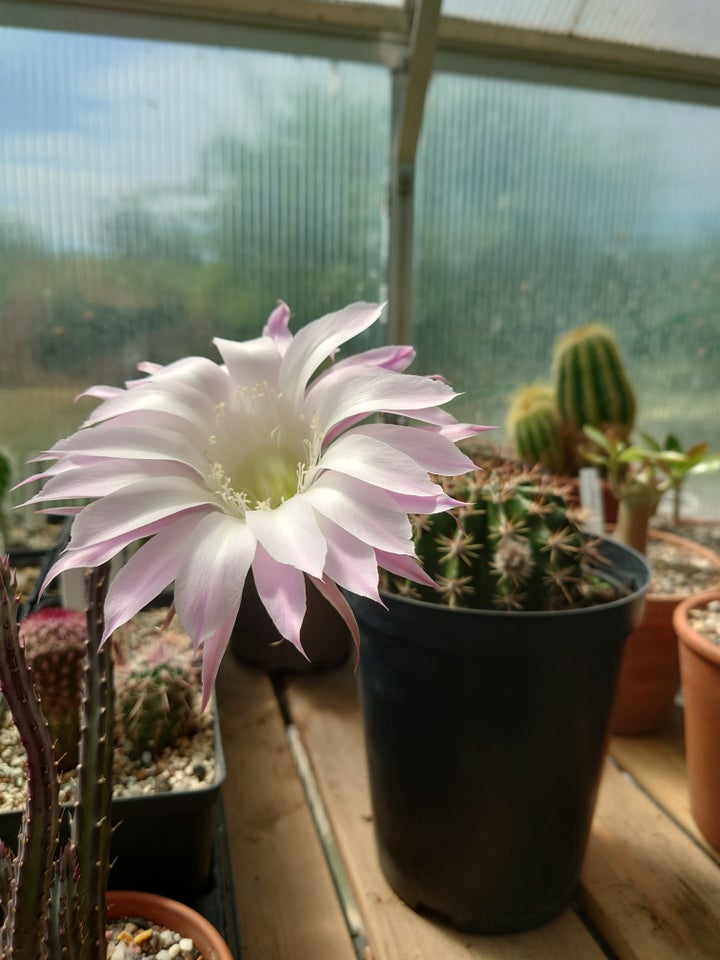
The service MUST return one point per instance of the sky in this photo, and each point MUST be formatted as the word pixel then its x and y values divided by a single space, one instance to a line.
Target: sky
pixel 87 121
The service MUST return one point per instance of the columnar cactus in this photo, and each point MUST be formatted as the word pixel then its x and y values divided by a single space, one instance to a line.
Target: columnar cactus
pixel 54 641
pixel 57 909
pixel 516 545
pixel 590 387
pixel 156 695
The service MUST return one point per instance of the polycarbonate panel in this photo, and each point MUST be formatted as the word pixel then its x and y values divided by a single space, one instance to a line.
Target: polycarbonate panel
pixel 155 195
pixel 692 26
pixel 539 209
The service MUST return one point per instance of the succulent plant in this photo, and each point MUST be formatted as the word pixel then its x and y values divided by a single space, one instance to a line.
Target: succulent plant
pixel 156 693
pixel 54 641
pixel 640 474
pixel 516 544
pixel 54 906
pixel 590 386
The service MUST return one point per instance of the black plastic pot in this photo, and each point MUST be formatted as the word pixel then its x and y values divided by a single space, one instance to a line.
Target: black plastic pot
pixel 486 734
pixel 162 842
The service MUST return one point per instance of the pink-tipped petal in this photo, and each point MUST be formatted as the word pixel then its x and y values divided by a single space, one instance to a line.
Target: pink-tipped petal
pixel 147 573
pixel 211 576
pixel 277 327
pixel 407 567
pixel 281 589
pixel 331 593
pixel 318 340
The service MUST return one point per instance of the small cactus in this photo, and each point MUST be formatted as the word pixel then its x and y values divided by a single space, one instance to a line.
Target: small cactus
pixel 156 694
pixel 591 387
pixel 516 544
pixel 54 641
pixel 534 423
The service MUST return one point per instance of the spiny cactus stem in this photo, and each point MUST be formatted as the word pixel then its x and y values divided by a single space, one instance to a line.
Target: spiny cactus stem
pixel 92 828
pixel 24 933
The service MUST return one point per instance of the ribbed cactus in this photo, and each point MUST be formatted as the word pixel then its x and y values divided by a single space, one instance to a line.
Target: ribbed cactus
pixel 534 423
pixel 54 641
pixel 516 545
pixel 56 909
pixel 590 387
pixel 156 696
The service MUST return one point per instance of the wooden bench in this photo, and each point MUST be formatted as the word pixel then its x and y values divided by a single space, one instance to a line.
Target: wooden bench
pixel 308 885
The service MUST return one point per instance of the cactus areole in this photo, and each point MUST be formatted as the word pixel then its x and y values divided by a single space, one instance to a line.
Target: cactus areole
pixel 516 544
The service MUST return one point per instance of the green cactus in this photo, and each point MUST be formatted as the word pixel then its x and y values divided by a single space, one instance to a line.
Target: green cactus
pixel 156 696
pixel 590 386
pixel 534 423
pixel 56 908
pixel 54 641
pixel 516 544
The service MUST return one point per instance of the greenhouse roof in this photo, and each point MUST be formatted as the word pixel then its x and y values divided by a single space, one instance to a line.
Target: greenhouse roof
pixel 644 46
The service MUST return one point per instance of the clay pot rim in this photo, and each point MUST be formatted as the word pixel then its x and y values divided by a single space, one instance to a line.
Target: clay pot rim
pixel 687 634
pixel 171 913
pixel 694 547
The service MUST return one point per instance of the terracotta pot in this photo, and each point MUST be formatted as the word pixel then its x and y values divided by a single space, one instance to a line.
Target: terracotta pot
pixel 700 672
pixel 650 672
pixel 171 914
pixel 324 635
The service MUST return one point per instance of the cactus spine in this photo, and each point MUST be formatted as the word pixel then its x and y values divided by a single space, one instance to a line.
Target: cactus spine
pixel 57 909
pixel 54 641
pixel 156 696
pixel 590 387
pixel 515 545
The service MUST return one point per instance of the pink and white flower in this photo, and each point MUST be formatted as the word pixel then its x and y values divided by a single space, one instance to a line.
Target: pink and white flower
pixel 261 463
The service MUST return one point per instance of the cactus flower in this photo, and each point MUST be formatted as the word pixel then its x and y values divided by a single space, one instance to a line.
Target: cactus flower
pixel 273 461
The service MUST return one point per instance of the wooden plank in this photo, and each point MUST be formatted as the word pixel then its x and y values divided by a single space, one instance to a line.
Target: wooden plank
pixel 648 888
pixel 286 900
pixel 657 762
pixel 326 711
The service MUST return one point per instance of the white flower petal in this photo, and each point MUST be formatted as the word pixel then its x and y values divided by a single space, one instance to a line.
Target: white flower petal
pixel 155 499
pixel 211 575
pixel 350 562
pixel 281 588
pixel 366 512
pixel 318 340
pixel 428 447
pixel 252 362
pixel 290 534
pixel 381 390
pixel 377 463
pixel 147 573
